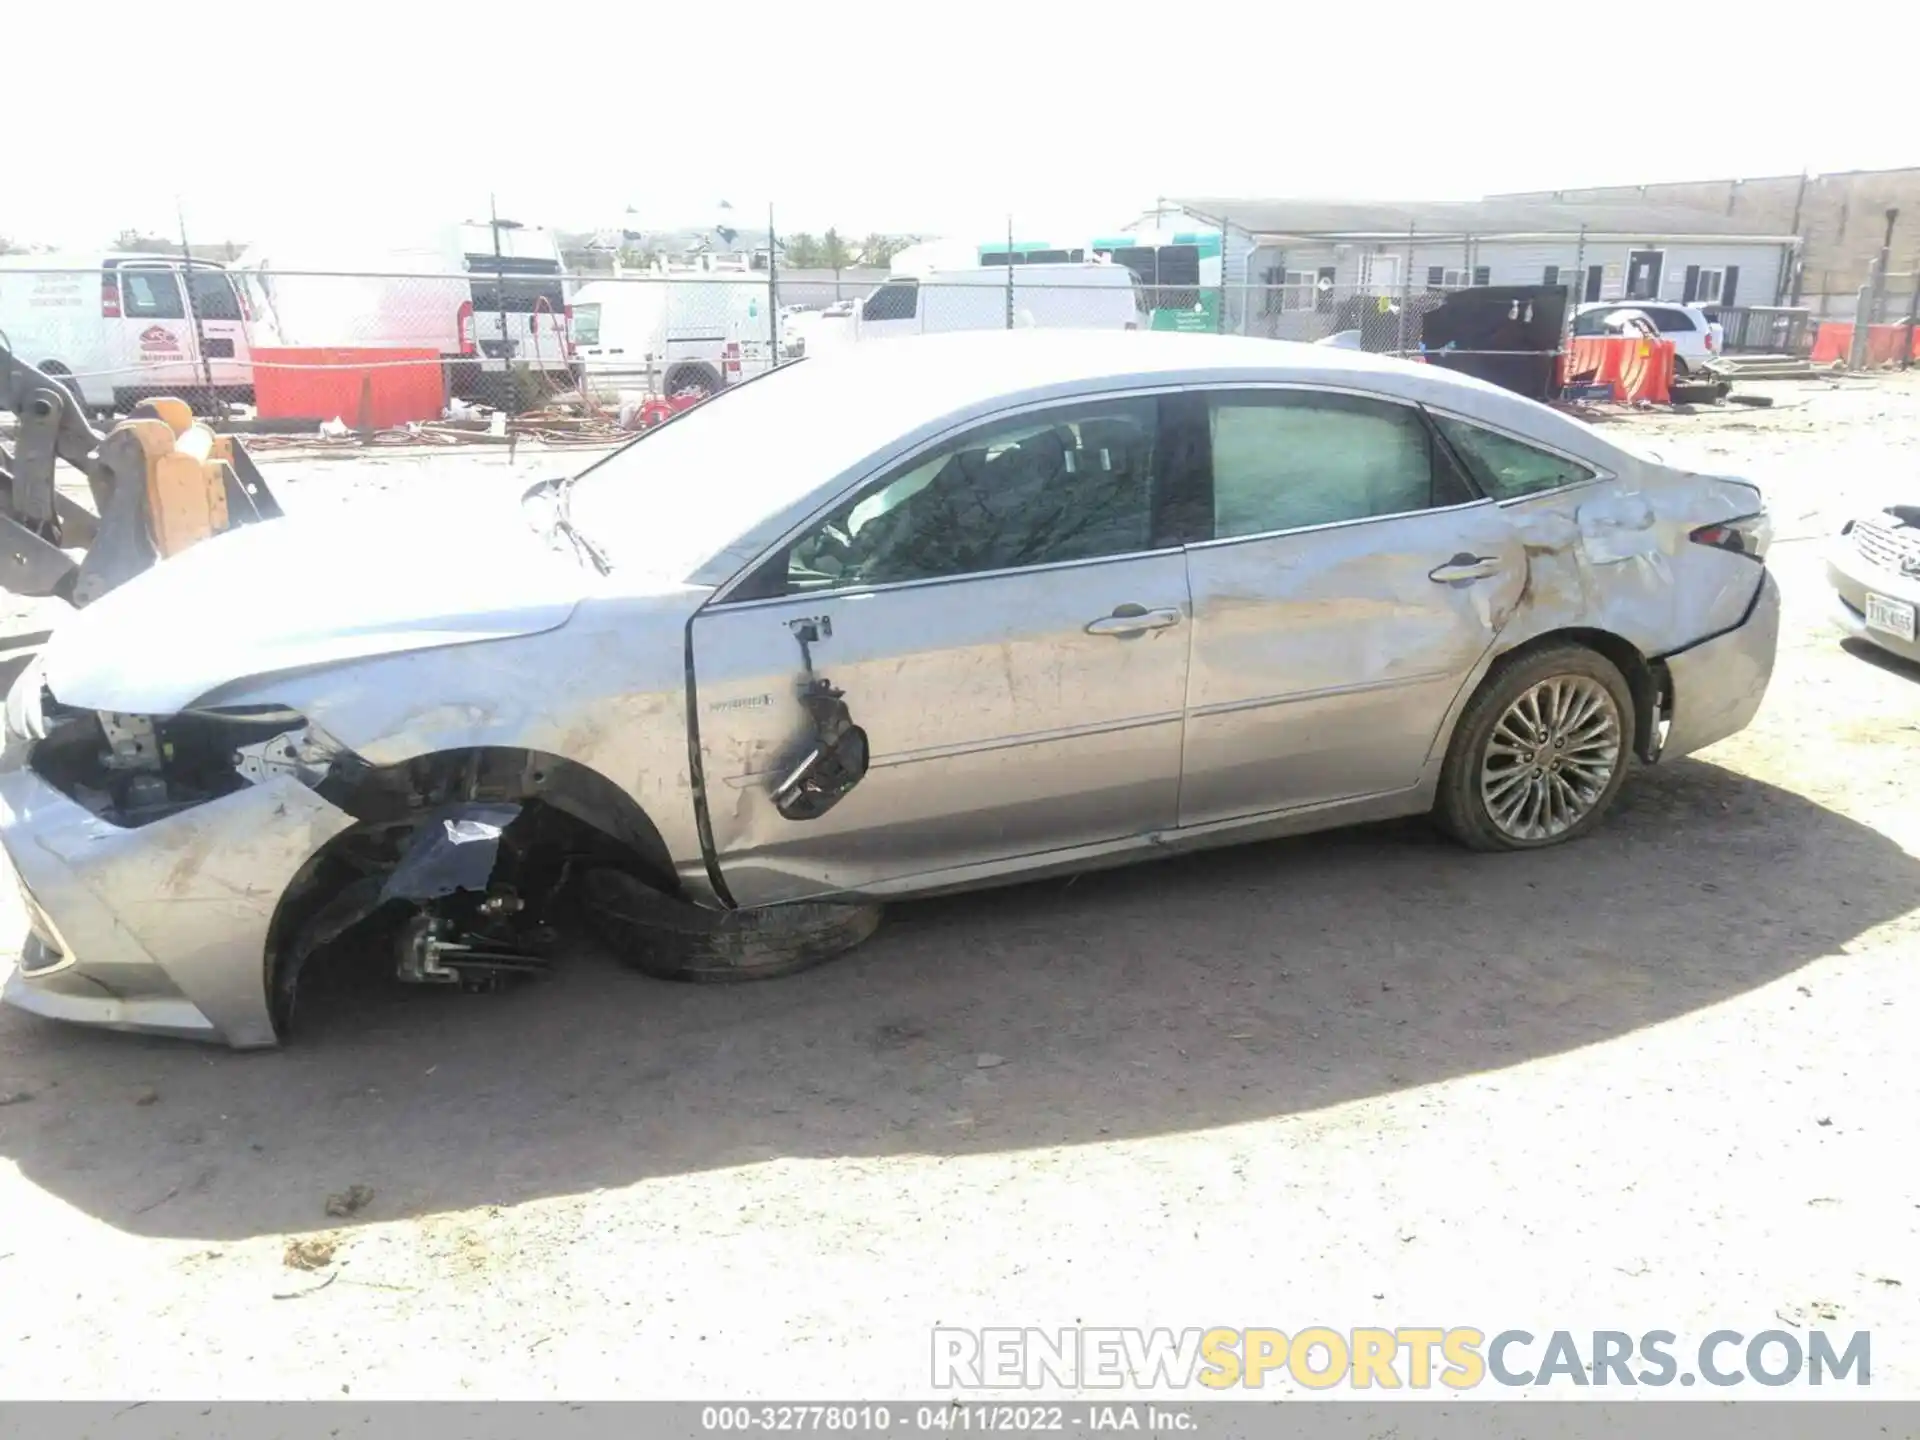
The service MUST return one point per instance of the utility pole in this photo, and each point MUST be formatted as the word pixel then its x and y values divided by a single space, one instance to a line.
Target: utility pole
pixel 193 300
pixel 1867 310
pixel 1009 272
pixel 773 291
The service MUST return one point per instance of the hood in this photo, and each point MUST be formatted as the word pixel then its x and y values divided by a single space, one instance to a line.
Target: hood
pixel 343 582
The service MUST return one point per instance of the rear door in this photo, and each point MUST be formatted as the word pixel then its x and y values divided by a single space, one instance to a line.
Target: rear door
pixel 220 329
pixel 155 346
pixel 1353 584
pixel 519 312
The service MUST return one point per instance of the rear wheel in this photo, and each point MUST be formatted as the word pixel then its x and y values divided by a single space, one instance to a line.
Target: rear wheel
pixel 701 379
pixel 1540 751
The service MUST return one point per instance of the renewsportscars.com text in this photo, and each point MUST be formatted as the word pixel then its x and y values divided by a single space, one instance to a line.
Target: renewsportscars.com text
pixel 1411 1357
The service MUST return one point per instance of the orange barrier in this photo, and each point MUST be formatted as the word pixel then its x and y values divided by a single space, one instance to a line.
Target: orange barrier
pixel 1834 340
pixel 1637 369
pixel 321 384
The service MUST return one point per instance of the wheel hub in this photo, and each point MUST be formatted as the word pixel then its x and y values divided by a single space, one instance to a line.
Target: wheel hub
pixel 1551 757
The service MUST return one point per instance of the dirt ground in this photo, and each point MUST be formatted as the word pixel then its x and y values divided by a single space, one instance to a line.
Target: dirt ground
pixel 1664 1078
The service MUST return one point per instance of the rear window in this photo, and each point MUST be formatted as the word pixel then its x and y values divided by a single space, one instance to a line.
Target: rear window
pixel 891 302
pixel 586 324
pixel 517 286
pixel 1670 320
pixel 151 294
pixel 213 297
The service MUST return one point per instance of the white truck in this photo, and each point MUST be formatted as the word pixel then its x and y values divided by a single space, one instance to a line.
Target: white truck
pixel 1088 295
pixel 670 330
pixel 490 299
pixel 122 326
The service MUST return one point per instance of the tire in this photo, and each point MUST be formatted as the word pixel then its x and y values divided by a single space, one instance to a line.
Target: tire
pixel 1484 750
pixel 672 940
pixel 692 377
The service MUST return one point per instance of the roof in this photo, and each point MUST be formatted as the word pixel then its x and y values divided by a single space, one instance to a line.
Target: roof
pixel 1483 218
pixel 773 452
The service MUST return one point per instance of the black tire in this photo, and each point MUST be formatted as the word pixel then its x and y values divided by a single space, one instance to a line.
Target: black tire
pixel 692 377
pixel 672 940
pixel 1460 807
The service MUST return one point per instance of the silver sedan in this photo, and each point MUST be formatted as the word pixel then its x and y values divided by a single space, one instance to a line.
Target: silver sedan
pixel 943 613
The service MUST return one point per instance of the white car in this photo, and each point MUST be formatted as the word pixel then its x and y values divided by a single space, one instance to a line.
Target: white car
pixel 1696 339
pixel 1874 569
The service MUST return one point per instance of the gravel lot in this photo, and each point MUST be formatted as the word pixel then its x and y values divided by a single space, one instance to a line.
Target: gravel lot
pixel 1659 1079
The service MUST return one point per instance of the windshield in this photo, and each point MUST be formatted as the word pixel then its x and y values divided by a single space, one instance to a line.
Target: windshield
pixel 680 495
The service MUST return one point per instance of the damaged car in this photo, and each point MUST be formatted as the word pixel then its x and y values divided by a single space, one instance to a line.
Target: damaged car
pixel 979 608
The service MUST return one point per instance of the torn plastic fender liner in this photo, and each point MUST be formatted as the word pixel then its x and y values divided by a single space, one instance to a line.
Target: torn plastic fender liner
pixel 456 850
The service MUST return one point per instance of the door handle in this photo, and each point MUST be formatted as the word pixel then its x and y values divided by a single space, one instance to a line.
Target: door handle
pixel 1463 568
pixel 1133 620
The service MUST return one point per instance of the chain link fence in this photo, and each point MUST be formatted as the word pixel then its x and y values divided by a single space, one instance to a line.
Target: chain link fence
pixel 397 347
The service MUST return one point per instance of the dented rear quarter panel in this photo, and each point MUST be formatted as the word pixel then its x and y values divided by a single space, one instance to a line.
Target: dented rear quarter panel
pixel 1614 555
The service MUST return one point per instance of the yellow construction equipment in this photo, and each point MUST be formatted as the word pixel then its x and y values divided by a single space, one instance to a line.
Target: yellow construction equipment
pixel 161 481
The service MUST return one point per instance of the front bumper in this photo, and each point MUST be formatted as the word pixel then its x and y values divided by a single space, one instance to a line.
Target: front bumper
pixel 1718 684
pixel 162 928
pixel 1852 575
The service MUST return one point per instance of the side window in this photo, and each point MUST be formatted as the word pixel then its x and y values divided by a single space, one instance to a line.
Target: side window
pixel 1591 322
pixel 151 294
pixel 1284 460
pixel 891 302
pixel 1074 483
pixel 1506 468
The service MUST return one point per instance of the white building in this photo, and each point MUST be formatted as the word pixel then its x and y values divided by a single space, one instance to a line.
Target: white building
pixel 1296 257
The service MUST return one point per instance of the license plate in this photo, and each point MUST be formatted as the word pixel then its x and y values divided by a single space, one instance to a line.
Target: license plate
pixel 1893 616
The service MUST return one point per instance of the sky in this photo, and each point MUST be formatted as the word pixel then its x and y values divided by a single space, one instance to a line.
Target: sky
pixel 266 121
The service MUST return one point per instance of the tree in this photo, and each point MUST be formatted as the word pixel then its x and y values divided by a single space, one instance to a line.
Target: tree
pixel 878 251
pixel 802 252
pixel 835 254
pixel 7 247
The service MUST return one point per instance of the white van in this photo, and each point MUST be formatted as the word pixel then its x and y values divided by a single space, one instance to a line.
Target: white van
pixel 447 290
pixel 1091 295
pixel 126 326
pixel 673 331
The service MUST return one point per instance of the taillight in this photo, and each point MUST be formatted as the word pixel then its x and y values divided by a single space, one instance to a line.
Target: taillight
pixel 466 327
pixel 731 359
pixel 110 295
pixel 567 333
pixel 1749 535
pixel 1710 342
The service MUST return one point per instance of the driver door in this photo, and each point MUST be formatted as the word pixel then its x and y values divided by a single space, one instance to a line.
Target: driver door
pixel 1008 620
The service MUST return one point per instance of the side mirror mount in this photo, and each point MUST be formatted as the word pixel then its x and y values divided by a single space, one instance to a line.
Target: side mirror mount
pixel 830 764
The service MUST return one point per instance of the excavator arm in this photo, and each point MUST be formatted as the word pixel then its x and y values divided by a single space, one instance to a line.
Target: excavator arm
pixel 161 481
